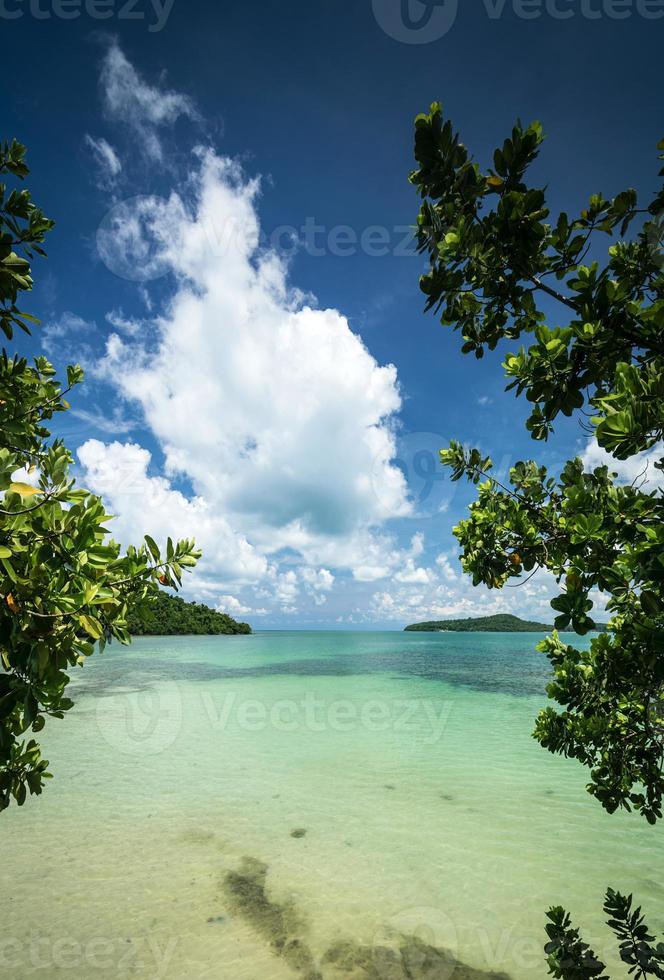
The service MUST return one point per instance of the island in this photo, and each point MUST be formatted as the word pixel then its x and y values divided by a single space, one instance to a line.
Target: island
pixel 170 615
pixel 501 623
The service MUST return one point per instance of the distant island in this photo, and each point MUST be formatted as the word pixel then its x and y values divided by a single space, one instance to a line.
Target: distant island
pixel 171 616
pixel 501 623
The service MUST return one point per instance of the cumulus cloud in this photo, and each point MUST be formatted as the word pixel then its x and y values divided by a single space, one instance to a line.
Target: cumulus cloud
pixel 119 473
pixel 409 571
pixel 232 606
pixel 144 108
pixel 275 426
pixel 274 410
pixel 320 581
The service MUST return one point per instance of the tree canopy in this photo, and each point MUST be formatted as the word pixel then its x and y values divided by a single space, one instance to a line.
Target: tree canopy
pixel 65 585
pixel 168 615
pixel 497 259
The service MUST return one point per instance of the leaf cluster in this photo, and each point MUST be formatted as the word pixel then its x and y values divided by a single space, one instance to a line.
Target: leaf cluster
pixel 498 263
pixel 570 958
pixel 65 585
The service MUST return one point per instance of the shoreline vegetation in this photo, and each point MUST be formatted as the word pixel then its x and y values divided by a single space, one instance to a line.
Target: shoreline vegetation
pixel 171 616
pixel 500 623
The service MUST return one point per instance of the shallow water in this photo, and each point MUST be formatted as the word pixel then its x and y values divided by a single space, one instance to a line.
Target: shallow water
pixel 367 806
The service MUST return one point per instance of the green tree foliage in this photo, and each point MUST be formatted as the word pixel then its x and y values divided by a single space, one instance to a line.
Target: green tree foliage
pixel 570 958
pixel 65 586
pixel 168 615
pixel 495 254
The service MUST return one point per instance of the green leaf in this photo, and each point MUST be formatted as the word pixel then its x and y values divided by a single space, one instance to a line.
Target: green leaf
pixel 152 546
pixel 92 626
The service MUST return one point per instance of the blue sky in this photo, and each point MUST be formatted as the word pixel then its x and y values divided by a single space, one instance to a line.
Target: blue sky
pixel 231 264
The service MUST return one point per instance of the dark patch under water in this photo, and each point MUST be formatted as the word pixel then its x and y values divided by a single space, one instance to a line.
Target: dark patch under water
pixel 520 673
pixel 285 931
pixel 412 960
pixel 279 925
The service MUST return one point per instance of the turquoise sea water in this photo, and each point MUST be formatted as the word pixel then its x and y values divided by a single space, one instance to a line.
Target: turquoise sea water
pixel 403 762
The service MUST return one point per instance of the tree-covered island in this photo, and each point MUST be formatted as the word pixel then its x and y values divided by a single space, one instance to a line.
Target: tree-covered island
pixel 500 623
pixel 169 615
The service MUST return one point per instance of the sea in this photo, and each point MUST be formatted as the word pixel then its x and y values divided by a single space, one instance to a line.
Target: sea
pixel 335 805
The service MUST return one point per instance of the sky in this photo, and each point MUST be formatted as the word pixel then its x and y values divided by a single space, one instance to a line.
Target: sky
pixel 232 264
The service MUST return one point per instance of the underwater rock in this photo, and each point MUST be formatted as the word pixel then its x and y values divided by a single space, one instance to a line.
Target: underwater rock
pixel 411 960
pixel 298 832
pixel 278 924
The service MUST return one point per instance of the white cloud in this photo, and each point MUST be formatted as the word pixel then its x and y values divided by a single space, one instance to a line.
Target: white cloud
pixel 320 581
pixel 285 589
pixel 639 469
pixel 59 334
pixel 144 503
pixel 113 422
pixel 439 602
pixel 275 424
pixel 127 324
pixel 275 411
pixel 443 561
pixel 451 595
pixel 106 160
pixel 413 575
pixel 232 606
pixel 144 108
